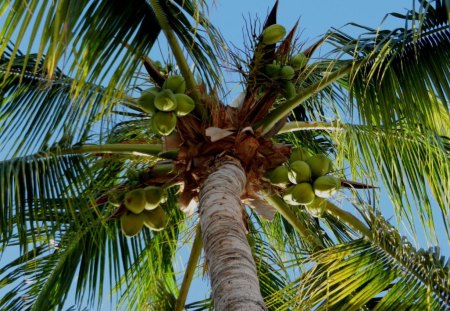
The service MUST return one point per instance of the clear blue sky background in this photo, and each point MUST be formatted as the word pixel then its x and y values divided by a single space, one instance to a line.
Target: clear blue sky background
pixel 316 17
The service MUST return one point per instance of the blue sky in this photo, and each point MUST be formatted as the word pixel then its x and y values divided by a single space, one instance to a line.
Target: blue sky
pixel 316 17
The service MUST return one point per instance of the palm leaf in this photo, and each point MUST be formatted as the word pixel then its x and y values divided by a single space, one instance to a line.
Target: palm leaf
pixel 89 257
pixel 413 166
pixel 95 34
pixel 36 111
pixel 407 76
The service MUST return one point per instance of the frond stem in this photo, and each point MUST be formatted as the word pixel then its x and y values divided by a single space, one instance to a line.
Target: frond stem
pixel 287 214
pixel 190 269
pixel 311 126
pixel 350 220
pixel 176 49
pixel 134 149
pixel 286 108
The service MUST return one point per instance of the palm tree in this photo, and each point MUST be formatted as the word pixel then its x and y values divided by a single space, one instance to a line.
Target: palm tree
pixel 82 148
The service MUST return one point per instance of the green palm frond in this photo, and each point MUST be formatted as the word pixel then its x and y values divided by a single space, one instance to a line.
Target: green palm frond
pixel 38 185
pixel 384 270
pixel 90 257
pixel 406 77
pixel 36 111
pixel 413 165
pixel 46 188
pixel 95 34
pixel 351 275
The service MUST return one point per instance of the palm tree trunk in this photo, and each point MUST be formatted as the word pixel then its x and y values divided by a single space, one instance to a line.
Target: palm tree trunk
pixel 230 262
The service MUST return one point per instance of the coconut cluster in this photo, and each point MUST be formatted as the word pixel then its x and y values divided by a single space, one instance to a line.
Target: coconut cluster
pixel 166 104
pixel 142 209
pixel 282 70
pixel 306 180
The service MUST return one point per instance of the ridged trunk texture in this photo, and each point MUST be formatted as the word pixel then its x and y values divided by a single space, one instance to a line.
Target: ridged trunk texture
pixel 232 270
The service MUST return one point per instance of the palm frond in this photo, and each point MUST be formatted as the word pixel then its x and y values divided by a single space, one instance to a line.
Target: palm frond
pixel 90 257
pixel 88 37
pixel 35 186
pixel 407 76
pixel 413 165
pixel 351 275
pixel 36 111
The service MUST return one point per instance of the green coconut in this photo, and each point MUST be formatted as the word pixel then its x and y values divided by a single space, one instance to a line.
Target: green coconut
pixel 131 224
pixel 287 196
pixel 287 72
pixel 114 198
pixel 158 65
pixel 317 207
pixel 135 200
pixel 289 89
pixel 153 197
pixel 320 165
pixel 165 101
pixel 176 84
pixel 298 61
pixel 279 176
pixel 155 219
pixel 164 122
pixel 299 172
pixel 273 34
pixel 147 100
pixel 326 186
pixel 272 70
pixel 303 193
pixel 185 104
pixel 299 154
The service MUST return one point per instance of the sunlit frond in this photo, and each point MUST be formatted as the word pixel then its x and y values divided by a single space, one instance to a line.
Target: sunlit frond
pixel 36 110
pixel 407 76
pixel 87 37
pixel 413 165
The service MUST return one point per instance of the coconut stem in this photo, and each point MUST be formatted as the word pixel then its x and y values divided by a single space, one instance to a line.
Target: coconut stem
pixel 190 269
pixel 290 216
pixel 349 219
pixel 176 50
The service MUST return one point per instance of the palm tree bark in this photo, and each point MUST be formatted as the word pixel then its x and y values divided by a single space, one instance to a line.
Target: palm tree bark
pixel 232 270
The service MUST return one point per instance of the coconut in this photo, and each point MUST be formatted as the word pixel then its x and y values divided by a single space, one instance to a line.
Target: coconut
pixel 154 219
pixel 131 224
pixel 165 101
pixel 176 84
pixel 273 34
pixel 135 200
pixel 147 100
pixel 299 172
pixel 279 176
pixel 114 198
pixel 320 165
pixel 303 193
pixel 289 89
pixel 287 72
pixel 153 197
pixel 164 122
pixel 326 186
pixel 299 154
pixel 298 61
pixel 185 104
pixel 272 70
pixel 287 196
pixel 317 207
